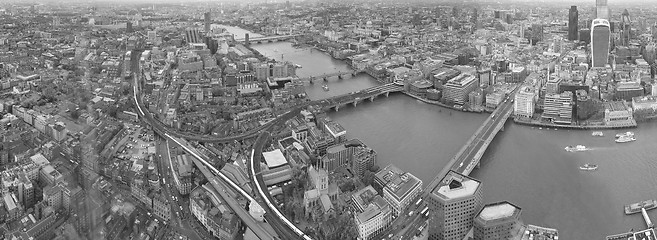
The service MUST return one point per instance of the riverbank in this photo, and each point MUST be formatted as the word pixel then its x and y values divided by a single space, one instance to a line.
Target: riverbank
pixel 424 100
pixel 536 123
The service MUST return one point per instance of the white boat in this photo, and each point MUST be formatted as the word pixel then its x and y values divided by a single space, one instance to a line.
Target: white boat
pixel 578 148
pixel 297 65
pixel 325 87
pixel 597 134
pixel 588 167
pixel 628 134
pixel 624 139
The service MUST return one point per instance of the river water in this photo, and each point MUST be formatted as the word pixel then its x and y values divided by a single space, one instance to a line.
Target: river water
pixel 524 165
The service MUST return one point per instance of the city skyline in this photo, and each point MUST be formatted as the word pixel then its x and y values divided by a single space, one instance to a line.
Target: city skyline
pixel 327 120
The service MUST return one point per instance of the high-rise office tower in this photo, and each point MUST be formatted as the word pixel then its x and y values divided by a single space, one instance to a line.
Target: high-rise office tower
pixel 499 220
pixel 602 10
pixel 626 28
pixel 206 18
pixel 600 42
pixel 453 205
pixel 572 23
pixel 193 35
pixel 128 26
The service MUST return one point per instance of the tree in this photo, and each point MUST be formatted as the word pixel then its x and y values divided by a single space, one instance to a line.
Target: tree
pixel 75 114
pixel 348 186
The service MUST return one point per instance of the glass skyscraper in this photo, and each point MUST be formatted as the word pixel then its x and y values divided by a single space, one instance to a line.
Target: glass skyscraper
pixel 600 36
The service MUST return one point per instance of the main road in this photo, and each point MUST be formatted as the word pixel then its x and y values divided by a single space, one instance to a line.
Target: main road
pixel 470 154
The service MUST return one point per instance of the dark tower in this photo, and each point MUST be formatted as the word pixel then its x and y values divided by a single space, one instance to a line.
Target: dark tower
pixel 626 28
pixel 206 17
pixel 246 39
pixel 475 13
pixel 572 23
pixel 128 27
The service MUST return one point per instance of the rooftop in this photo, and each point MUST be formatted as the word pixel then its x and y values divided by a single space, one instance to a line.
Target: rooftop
pixel 397 182
pixel 335 129
pixel 495 211
pixel 456 185
pixel 615 106
pixel 274 158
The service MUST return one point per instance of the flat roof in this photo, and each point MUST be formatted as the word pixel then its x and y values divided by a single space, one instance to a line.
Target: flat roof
pixel 9 202
pixel 335 129
pixel 497 211
pixel 274 158
pixel 398 182
pixel 456 185
pixel 647 234
pixel 39 160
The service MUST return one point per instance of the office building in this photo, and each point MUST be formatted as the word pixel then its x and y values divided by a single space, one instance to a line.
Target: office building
pixel 456 90
pixel 602 10
pixel 399 188
pixel 617 111
pixel 372 213
pixel 206 22
pixel 213 213
pixel 600 42
pixel 499 220
pixel 626 28
pixel 364 158
pixel 193 35
pixel 151 36
pixel 184 174
pixel 573 16
pixel 524 102
pixel 558 107
pixel 453 205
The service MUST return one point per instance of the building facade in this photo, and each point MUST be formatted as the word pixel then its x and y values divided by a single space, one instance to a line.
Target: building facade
pixel 399 188
pixel 456 90
pixel 453 205
pixel 499 220
pixel 600 42
pixel 524 102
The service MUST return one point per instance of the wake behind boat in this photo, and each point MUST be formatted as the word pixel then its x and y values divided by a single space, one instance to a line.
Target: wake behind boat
pixel 578 148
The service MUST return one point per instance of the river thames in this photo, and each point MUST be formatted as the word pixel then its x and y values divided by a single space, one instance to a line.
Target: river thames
pixel 525 166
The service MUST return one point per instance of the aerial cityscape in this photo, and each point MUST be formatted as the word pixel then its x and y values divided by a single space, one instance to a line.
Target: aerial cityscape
pixel 328 119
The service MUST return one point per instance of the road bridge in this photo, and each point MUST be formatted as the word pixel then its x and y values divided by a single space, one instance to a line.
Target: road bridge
pixel 469 156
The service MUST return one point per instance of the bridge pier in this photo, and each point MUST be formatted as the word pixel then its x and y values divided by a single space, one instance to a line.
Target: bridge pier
pixel 325 79
pixel 372 98
pixel 353 74
pixel 387 94
pixel 337 108
pixel 355 103
pixel 339 76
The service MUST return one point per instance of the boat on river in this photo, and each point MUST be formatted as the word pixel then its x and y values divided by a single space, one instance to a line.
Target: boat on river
pixel 578 148
pixel 325 87
pixel 588 167
pixel 597 134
